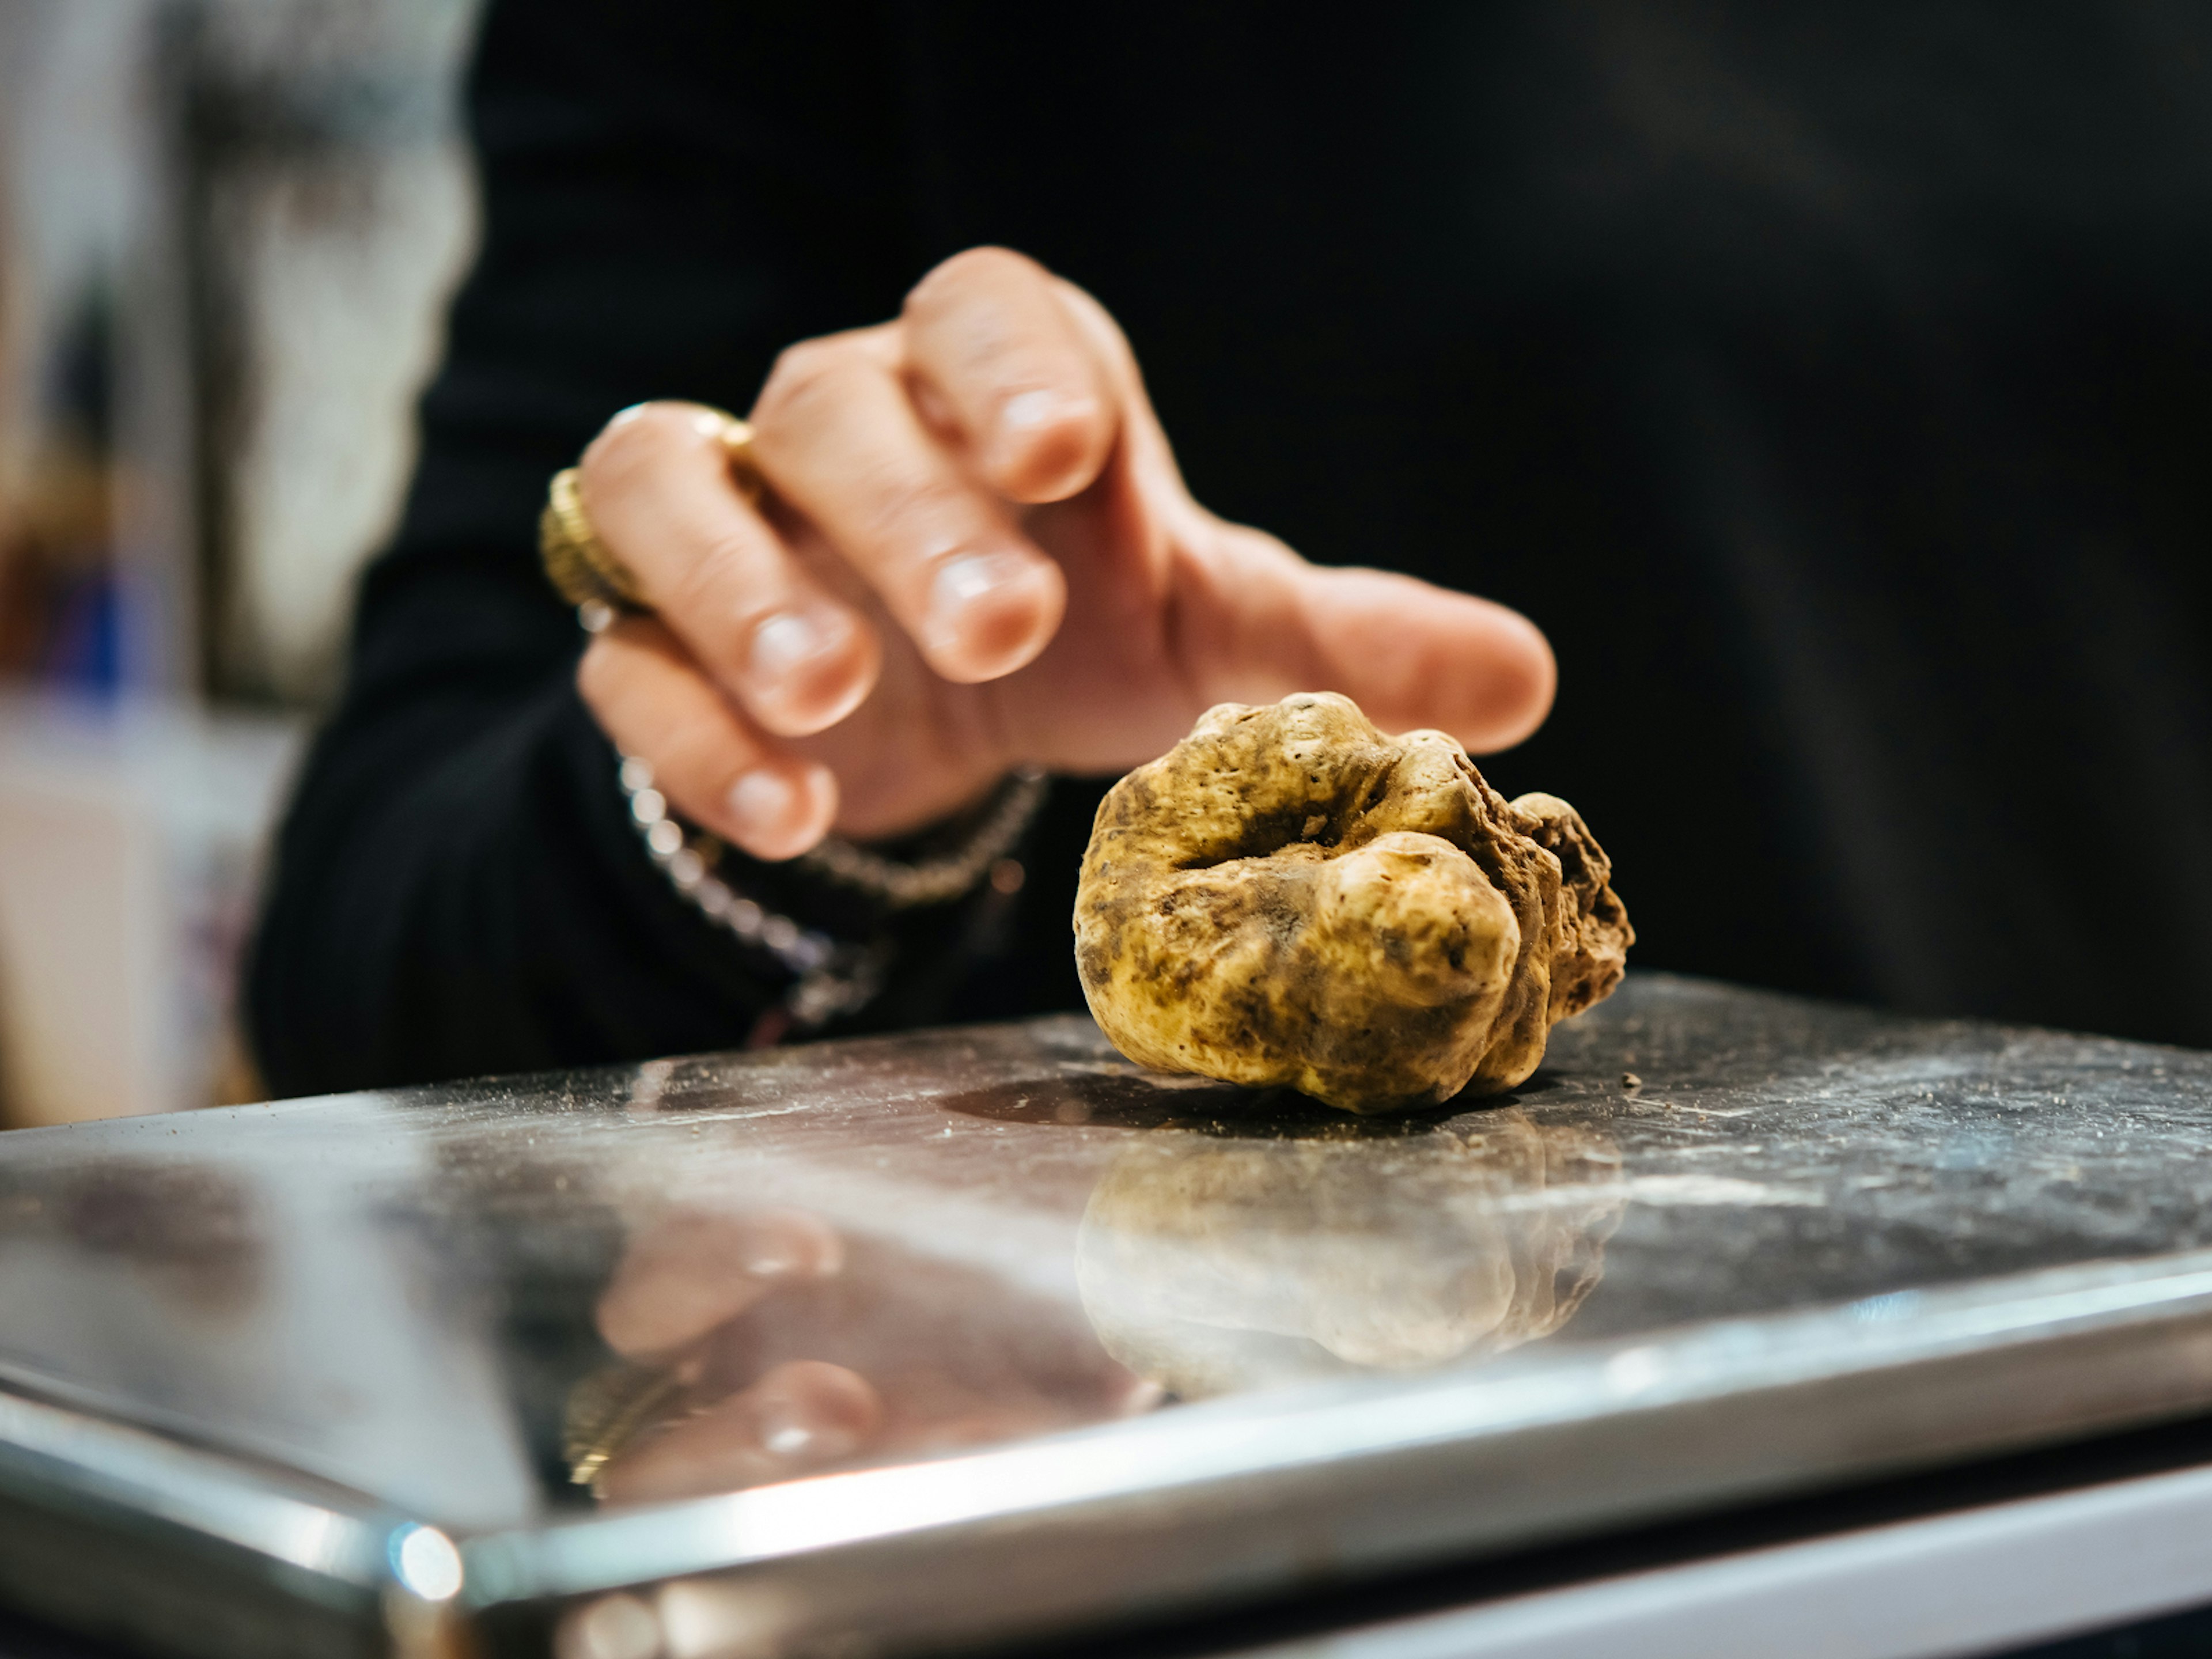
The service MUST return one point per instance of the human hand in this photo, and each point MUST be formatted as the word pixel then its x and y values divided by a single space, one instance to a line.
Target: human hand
pixel 786 1347
pixel 975 553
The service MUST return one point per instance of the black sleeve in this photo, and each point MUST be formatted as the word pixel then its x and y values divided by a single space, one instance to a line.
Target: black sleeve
pixel 671 193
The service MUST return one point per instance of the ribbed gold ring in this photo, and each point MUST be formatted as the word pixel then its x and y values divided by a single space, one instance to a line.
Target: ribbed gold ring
pixel 579 565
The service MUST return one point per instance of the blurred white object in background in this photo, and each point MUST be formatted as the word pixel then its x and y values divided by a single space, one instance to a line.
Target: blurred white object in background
pixel 332 211
pixel 229 229
pixel 130 838
pixel 348 311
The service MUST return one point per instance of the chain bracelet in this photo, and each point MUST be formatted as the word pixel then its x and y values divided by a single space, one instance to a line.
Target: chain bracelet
pixel 900 886
pixel 833 978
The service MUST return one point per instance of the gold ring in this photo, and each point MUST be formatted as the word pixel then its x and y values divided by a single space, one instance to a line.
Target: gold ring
pixel 579 565
pixel 579 568
pixel 737 441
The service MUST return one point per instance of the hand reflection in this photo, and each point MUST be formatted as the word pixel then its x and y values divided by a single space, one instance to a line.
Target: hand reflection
pixel 1210 1265
pixel 761 1346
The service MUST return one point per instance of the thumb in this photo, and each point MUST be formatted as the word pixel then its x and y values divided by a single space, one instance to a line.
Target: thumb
pixel 1408 652
pixel 1413 655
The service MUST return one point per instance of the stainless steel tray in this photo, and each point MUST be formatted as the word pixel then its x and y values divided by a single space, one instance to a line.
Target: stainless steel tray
pixel 315 1377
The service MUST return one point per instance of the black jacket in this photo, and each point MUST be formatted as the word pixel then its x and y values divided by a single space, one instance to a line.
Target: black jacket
pixel 1832 383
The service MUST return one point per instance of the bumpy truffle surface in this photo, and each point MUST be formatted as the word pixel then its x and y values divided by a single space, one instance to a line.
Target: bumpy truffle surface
pixel 1288 896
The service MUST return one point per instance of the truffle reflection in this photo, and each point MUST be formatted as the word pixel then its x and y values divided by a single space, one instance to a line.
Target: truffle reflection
pixel 760 1346
pixel 1210 1265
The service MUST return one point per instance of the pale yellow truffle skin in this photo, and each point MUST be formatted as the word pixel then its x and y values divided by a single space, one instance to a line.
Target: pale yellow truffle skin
pixel 1290 897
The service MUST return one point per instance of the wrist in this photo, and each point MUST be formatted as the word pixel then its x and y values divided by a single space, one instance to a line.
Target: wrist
pixel 942 863
pixel 836 970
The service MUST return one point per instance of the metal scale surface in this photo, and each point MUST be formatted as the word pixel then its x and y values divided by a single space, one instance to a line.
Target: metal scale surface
pixel 510 1367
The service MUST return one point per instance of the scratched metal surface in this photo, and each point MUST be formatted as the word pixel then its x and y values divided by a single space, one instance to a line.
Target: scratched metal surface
pixel 1781 1153
pixel 397 1291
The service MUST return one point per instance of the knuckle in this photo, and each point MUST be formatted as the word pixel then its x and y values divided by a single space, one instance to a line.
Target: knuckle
pixel 804 376
pixel 1097 327
pixel 973 268
pixel 725 579
pixel 897 507
pixel 627 450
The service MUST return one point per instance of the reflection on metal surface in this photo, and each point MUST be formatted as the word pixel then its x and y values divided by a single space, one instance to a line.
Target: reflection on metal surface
pixel 1214 1266
pixel 426 1564
pixel 191 1230
pixel 1216 1254
pixel 237 1506
pixel 904 1304
pixel 618 1626
pixel 760 1346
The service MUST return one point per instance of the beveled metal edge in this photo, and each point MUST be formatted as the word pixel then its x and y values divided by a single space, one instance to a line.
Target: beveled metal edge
pixel 206 1493
pixel 1991 1576
pixel 1242 1496
pixel 193 1552
pixel 1245 1497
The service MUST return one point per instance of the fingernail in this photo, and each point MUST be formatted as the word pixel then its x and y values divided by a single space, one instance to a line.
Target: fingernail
pixel 1018 447
pixel 788 1430
pixel 786 642
pixel 792 1245
pixel 771 1263
pixel 1026 411
pixel 763 801
pixel 778 812
pixel 960 582
pixel 807 1409
pixel 989 613
pixel 803 671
